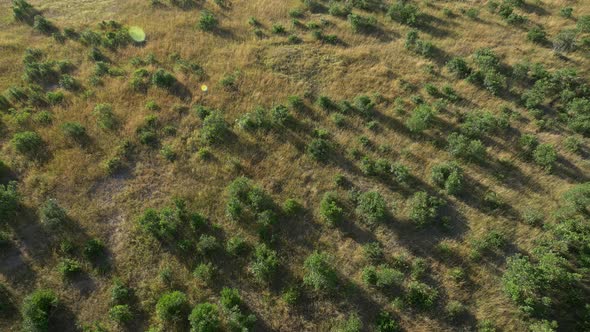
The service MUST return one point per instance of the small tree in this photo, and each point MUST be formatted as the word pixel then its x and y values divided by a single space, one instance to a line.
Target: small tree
pixel 330 209
pixel 207 21
pixel 318 273
pixel 421 119
pixel 37 309
pixel 424 209
pixel 264 264
pixel 545 156
pixel 205 318
pixel 371 207
pixel 28 143
pixel 172 307
pixel 9 201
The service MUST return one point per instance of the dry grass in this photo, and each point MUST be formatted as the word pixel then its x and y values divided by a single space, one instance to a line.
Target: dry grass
pixel 269 71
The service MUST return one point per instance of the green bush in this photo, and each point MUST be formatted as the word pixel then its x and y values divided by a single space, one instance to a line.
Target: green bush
pixel 37 309
pixel 105 116
pixel 404 13
pixel 421 296
pixel 230 298
pixel 163 79
pixel 204 272
pixel 545 156
pixel 27 142
pixel 578 197
pixel 425 209
pixel 462 147
pixel 386 323
pixel 265 263
pixel 319 274
pixel 330 209
pixel 477 124
pixel 172 306
pixel 565 41
pixel 537 34
pixel 421 119
pixel 371 208
pixel 448 176
pixel 74 131
pixel 458 67
pixel 121 313
pixel 236 246
pixel 94 249
pixel 205 318
pixel 9 202
pixel 120 293
pixel 319 149
pixel 207 21
pixel 207 244
pixel 401 173
pixel 362 24
pixel 291 207
pixel 583 23
pixel 52 214
pixel 214 128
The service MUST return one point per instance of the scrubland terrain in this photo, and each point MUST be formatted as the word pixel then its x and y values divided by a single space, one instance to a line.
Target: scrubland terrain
pixel 287 165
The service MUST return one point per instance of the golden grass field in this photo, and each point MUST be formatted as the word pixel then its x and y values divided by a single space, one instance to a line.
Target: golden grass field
pixel 269 70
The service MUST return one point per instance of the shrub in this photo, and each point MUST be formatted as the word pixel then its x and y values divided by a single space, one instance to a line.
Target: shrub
pixel 207 244
pixel 42 25
pixel 566 12
pixel 163 79
pixel 94 249
pixel 421 119
pixel 207 21
pixel 372 208
pixel 9 202
pixel 161 224
pixel 578 197
pixel 578 111
pixel 583 24
pixel 330 209
pixel 214 128
pixel 421 296
pixel 462 147
pixel 545 156
pixel 565 41
pixel 205 318
pixel 448 176
pixel 236 246
pixel 458 67
pixel 121 313
pixel 204 272
pixel 404 13
pixel 479 123
pixel 424 209
pixel 280 115
pixel 105 116
pixel 265 263
pixel 52 214
pixel 230 298
pixel 319 149
pixel 401 173
pixel 386 323
pixel 27 142
pixel 74 131
pixel 291 207
pixel 120 293
pixel 537 35
pixel 455 309
pixel 527 145
pixel 319 274
pixel 68 82
pixel 68 268
pixel 37 310
pixel 172 306
pixel 362 24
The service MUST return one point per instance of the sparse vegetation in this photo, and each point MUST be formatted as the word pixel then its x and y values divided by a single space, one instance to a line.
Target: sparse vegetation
pixel 322 165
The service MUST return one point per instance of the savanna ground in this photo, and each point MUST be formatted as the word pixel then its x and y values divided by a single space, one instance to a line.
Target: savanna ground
pixel 247 65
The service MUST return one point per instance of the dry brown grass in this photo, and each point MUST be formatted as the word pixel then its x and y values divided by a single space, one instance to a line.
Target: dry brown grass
pixel 270 70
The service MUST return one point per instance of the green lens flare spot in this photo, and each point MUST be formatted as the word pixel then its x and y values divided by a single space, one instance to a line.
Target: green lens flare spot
pixel 137 34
